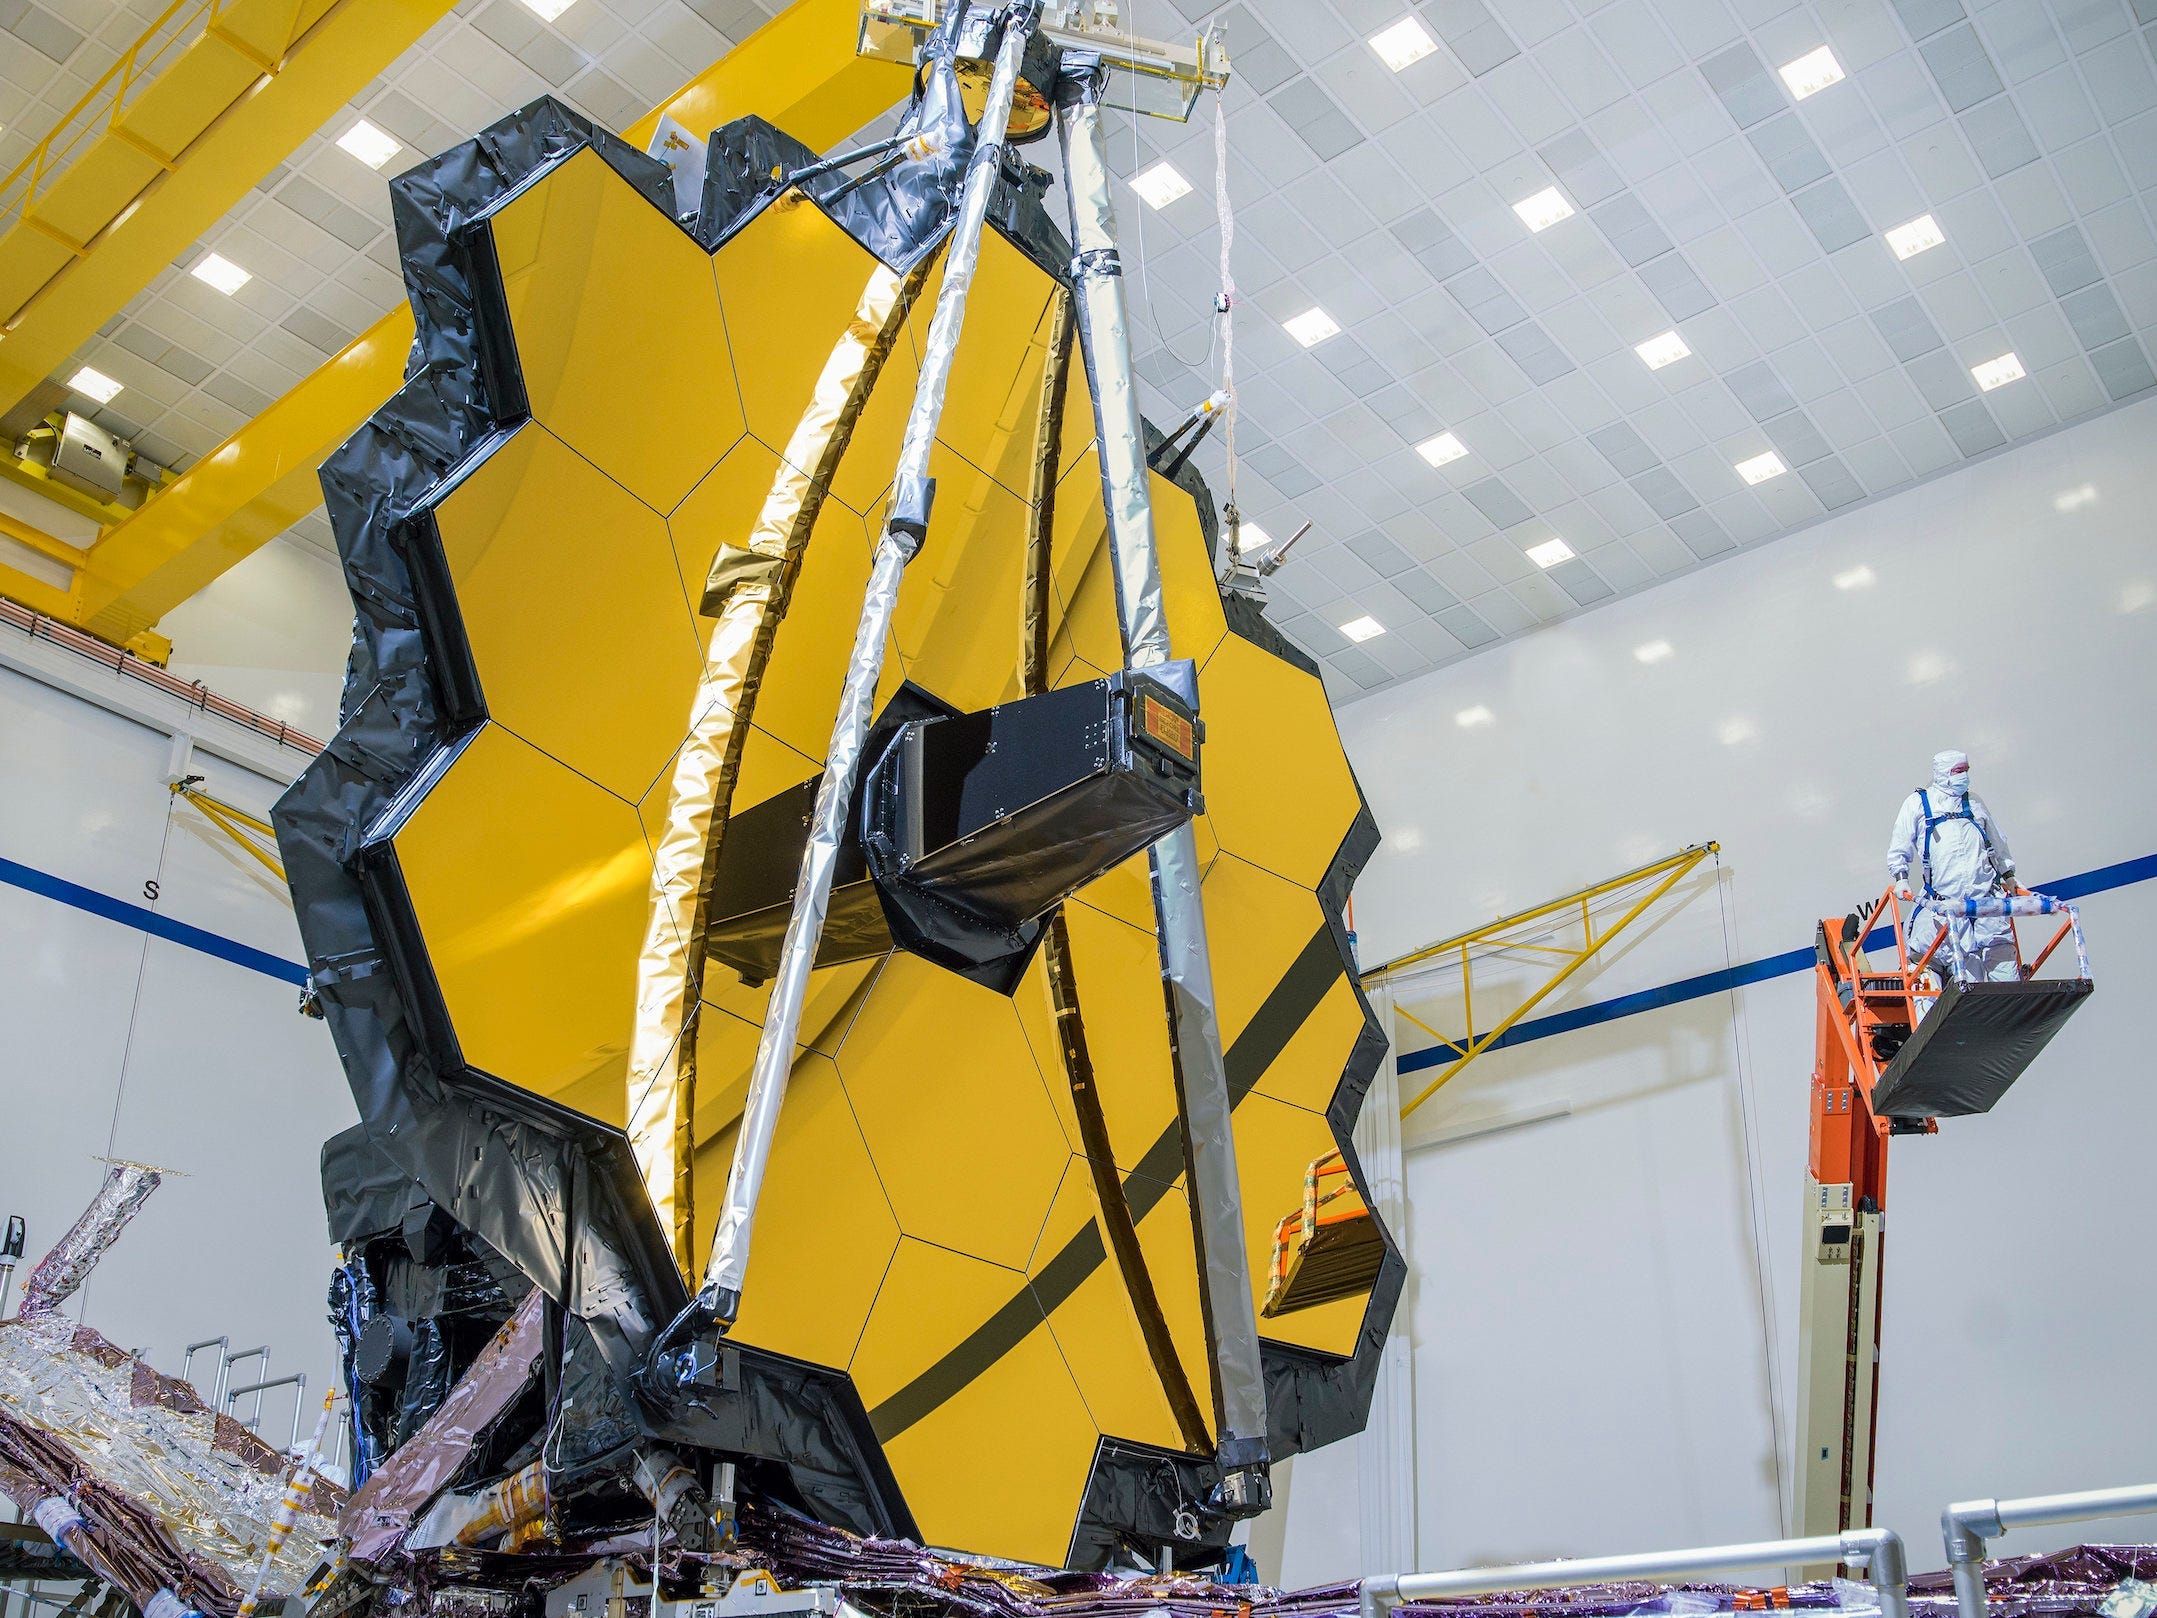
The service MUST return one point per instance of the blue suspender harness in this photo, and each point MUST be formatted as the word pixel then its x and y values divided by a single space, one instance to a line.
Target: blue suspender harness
pixel 1924 808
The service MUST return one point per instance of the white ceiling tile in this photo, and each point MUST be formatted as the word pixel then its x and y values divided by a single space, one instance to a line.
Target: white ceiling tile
pixel 1861 31
pixel 1637 42
pixel 1819 295
pixel 2012 282
pixel 2137 289
pixel 1541 596
pixel 2033 200
pixel 1704 25
pixel 2071 389
pixel 2040 337
pixel 1690 115
pixel 2120 82
pixel 2056 110
pixel 1585 256
pixel 2092 175
pixel 1634 141
pixel 2021 408
pixel 1463 575
pixel 1662 550
pixel 1369 91
pixel 1892 399
pixel 1940 158
pixel 1467 118
pixel 1490 372
pixel 1503 612
pixel 2120 236
pixel 1527 101
pixel 2021 39
pixel 1581 72
pixel 1744 518
pixel 1726 262
pixel 1501 557
pixel 1618 563
pixel 1902 94
pixel 1957 305
pixel 1621 509
pixel 1877 464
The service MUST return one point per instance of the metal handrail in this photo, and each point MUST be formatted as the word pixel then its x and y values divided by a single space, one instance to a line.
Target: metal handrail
pixel 1877 1550
pixel 224 1377
pixel 297 1381
pixel 1967 1524
pixel 131 66
pixel 223 1345
pixel 45 627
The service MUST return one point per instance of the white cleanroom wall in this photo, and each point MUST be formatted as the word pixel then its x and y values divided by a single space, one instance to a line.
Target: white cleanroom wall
pixel 1597 1363
pixel 124 1044
pixel 271 632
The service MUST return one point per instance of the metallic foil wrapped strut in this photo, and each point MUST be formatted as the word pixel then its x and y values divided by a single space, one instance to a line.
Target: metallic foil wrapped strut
pixel 1180 918
pixel 904 530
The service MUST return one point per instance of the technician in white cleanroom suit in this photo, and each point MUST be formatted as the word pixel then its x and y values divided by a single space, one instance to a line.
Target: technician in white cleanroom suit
pixel 1945 844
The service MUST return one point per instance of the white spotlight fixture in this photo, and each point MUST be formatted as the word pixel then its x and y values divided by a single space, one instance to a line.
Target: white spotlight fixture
pixel 1469 718
pixel 220 272
pixel 370 145
pixel 1997 373
pixel 1550 553
pixel 1362 629
pixel 1854 578
pixel 1657 352
pixel 1912 239
pixel 1251 539
pixel 1762 467
pixel 1811 73
pixel 1442 450
pixel 1404 44
pixel 1312 327
pixel 1544 209
pixel 95 385
pixel 548 10
pixel 1654 652
pixel 1161 185
pixel 2076 498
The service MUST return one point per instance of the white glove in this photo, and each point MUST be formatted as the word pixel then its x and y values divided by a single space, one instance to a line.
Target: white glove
pixel 1902 890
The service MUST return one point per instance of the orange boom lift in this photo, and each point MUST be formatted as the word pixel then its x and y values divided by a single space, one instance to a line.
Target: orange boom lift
pixel 1898 1045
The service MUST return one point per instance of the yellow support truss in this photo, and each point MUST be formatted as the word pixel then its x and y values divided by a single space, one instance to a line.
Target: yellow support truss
pixel 255 836
pixel 1544 921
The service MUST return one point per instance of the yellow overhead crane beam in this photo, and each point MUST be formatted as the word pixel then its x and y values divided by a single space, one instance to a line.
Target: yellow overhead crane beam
pixel 800 70
pixel 162 146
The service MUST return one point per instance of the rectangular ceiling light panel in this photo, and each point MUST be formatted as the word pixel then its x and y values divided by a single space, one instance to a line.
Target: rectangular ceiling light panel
pixel 1443 450
pixel 1913 238
pixel 1811 73
pixel 369 144
pixel 1312 327
pixel 1544 209
pixel 1666 349
pixel 1404 44
pixel 1161 185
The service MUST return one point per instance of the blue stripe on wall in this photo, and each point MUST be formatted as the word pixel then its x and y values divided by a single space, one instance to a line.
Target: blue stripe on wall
pixel 2102 880
pixel 149 921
